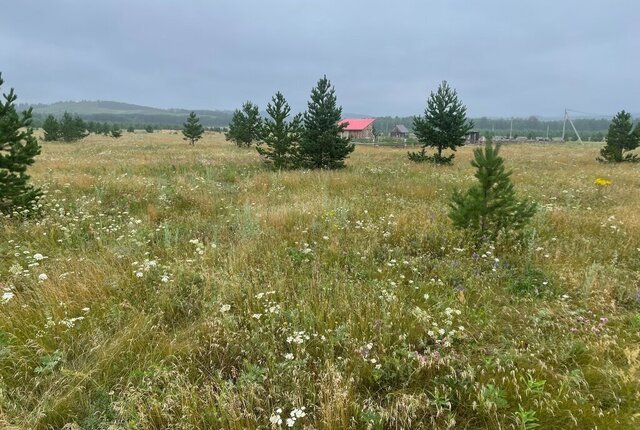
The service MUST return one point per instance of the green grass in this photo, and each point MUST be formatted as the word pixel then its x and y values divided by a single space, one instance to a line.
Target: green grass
pixel 192 288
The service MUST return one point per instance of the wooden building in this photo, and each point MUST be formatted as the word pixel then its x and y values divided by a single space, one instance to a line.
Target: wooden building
pixel 473 137
pixel 358 128
pixel 400 132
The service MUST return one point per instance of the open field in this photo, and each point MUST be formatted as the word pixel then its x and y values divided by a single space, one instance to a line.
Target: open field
pixel 169 286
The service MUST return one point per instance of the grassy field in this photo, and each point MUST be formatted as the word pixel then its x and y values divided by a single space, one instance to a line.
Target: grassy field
pixel 177 287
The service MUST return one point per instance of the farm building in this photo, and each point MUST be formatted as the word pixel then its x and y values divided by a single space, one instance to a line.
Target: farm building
pixel 473 137
pixel 358 128
pixel 400 132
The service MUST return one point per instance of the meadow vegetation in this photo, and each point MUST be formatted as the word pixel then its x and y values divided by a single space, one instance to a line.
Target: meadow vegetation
pixel 174 286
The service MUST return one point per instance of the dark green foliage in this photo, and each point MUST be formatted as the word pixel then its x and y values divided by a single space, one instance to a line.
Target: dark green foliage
pixel 130 129
pixel 149 129
pixel 490 207
pixel 18 149
pixel 51 129
pixel 622 137
pixel 192 129
pixel 115 131
pixel 280 137
pixel 72 128
pixel 245 126
pixel 322 146
pixel 443 126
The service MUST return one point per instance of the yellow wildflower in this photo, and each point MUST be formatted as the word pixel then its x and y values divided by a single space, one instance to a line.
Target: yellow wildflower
pixel 601 182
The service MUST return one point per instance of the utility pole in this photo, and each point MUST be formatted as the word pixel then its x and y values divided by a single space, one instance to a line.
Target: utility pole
pixel 564 124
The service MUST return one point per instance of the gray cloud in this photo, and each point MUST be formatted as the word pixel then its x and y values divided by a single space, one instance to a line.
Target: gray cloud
pixel 504 58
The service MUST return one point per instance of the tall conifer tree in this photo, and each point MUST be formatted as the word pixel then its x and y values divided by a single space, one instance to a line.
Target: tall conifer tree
pixel 18 149
pixel 322 146
pixel 280 137
pixel 621 138
pixel 443 126
pixel 51 128
pixel 192 129
pixel 245 126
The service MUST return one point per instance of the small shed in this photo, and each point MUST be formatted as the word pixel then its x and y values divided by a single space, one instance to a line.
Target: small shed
pixel 400 132
pixel 358 128
pixel 473 137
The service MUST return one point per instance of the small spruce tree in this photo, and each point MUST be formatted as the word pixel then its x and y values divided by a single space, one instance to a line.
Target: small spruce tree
pixel 192 129
pixel 246 125
pixel 51 129
pixel 490 207
pixel 115 131
pixel 443 126
pixel 279 136
pixel 18 149
pixel 321 145
pixel 621 138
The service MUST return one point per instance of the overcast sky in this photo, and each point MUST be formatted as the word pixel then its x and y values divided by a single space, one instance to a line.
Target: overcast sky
pixel 505 58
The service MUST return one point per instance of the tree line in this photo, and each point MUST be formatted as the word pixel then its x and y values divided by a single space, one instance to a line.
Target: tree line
pixel 312 139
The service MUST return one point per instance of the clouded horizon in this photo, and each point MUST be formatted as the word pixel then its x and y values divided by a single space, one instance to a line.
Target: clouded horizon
pixel 504 58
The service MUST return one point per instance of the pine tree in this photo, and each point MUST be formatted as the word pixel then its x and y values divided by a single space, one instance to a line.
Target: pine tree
pixel 192 129
pixel 279 136
pixel 443 126
pixel 622 137
pixel 245 126
pixel 18 149
pixel 115 131
pixel 51 129
pixel 72 128
pixel 322 146
pixel 490 207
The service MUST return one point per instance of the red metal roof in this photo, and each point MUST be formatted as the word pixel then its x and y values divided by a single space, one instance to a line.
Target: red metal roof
pixel 356 124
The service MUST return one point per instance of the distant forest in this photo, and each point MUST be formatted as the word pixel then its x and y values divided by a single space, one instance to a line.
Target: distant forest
pixel 139 117
pixel 532 127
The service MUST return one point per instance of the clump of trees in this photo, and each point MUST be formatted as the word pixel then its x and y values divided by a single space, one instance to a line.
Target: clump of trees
pixel 246 125
pixel 18 149
pixel 192 130
pixel 310 140
pixel 68 129
pixel 443 126
pixel 621 138
pixel 490 207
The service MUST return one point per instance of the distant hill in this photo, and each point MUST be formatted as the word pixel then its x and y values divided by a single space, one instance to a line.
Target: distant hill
pixel 125 113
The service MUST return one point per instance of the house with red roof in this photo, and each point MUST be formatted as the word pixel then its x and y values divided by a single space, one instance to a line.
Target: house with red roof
pixel 358 128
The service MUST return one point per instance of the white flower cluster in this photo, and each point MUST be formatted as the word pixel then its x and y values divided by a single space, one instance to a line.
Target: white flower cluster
pixel 7 295
pixel 294 415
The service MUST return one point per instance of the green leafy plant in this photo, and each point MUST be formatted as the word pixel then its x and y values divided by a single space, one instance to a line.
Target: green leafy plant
pixel 526 420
